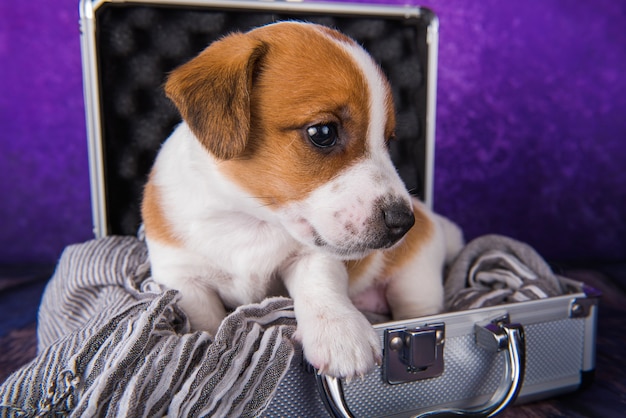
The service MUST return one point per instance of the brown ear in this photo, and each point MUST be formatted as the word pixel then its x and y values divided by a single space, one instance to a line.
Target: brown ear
pixel 212 93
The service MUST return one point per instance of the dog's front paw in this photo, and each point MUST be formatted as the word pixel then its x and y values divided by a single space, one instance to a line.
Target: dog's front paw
pixel 342 345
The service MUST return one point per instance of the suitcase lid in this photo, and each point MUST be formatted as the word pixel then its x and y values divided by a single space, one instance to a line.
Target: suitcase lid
pixel 129 47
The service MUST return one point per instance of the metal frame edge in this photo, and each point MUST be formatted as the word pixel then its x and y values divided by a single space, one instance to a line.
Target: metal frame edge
pixel 431 105
pixel 91 95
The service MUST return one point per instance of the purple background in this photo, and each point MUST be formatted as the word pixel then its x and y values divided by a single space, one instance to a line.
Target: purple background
pixel 531 126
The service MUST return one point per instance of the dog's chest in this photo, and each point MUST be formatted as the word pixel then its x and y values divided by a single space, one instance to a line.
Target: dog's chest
pixel 248 260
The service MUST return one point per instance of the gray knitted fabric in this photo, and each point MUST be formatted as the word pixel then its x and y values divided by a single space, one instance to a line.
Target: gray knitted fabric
pixel 493 270
pixel 111 343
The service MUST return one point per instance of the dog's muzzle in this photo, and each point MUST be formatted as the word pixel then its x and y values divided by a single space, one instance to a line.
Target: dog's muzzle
pixel 393 222
pixel 398 220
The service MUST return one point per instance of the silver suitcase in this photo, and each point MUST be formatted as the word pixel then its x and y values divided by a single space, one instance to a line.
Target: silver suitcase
pixel 473 362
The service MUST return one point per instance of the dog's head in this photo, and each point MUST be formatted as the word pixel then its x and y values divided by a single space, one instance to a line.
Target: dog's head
pixel 299 116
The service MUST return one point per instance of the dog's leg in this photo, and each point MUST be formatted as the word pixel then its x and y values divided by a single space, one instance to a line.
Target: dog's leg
pixel 181 270
pixel 201 304
pixel 336 338
pixel 417 288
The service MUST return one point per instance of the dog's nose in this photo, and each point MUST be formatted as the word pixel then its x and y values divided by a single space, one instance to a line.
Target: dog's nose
pixel 399 219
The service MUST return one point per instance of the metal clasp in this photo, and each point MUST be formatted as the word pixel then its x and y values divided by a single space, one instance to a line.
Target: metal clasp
pixel 497 335
pixel 413 354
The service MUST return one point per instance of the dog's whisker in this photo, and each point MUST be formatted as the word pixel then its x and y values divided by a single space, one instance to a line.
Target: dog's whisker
pixel 292 141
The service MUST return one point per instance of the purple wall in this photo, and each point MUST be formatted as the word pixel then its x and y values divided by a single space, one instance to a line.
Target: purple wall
pixel 531 130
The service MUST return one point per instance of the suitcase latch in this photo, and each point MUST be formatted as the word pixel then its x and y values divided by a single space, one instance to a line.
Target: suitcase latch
pixel 413 354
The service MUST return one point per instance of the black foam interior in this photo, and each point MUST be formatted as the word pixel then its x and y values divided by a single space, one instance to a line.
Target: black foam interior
pixel 137 45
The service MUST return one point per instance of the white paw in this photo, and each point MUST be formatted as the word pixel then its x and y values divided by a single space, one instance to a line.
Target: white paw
pixel 339 344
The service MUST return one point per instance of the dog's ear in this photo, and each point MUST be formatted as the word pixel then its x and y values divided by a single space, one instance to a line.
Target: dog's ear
pixel 212 93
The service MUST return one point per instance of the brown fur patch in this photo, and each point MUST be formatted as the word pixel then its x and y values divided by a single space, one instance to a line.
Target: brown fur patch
pixel 212 93
pixel 398 256
pixel 357 268
pixel 156 225
pixel 391 114
pixel 390 127
pixel 303 79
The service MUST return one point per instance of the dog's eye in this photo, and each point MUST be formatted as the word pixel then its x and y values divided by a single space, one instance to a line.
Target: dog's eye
pixel 323 135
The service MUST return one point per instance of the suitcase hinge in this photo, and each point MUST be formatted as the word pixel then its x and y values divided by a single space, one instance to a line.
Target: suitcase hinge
pixel 581 307
pixel 490 335
pixel 413 354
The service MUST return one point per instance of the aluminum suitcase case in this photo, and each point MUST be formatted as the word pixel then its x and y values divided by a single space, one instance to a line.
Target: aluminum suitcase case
pixel 473 362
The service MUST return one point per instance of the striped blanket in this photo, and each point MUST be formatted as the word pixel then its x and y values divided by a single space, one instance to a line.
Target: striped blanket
pixel 111 343
pixel 496 270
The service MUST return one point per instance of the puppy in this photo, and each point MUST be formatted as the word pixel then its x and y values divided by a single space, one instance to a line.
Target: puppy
pixel 279 180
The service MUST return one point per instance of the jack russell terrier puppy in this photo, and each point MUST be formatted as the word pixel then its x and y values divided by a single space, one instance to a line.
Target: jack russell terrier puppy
pixel 279 179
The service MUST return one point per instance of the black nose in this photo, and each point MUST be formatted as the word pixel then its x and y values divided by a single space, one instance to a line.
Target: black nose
pixel 399 219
